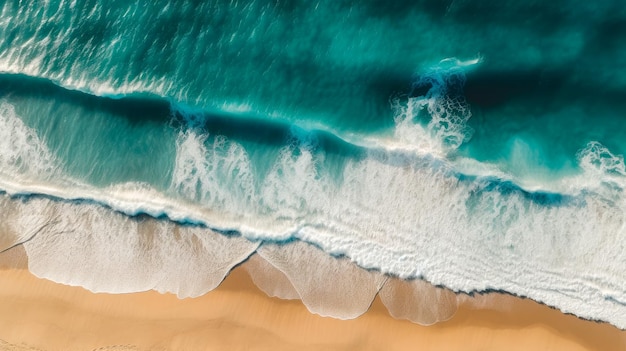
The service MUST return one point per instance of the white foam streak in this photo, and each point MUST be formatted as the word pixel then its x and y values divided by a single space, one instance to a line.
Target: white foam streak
pixel 597 160
pixel 396 212
pixel 444 104
pixel 22 153
pixel 302 193
pixel 218 176
pixel 404 218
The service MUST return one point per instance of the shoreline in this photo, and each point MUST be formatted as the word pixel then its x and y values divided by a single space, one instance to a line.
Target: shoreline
pixel 237 315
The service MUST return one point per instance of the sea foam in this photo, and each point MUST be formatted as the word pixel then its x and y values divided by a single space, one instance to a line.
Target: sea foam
pixel 391 211
pixel 23 153
pixel 409 201
pixel 105 251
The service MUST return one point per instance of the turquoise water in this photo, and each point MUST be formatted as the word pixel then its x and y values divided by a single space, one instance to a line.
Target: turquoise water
pixel 438 140
pixel 335 65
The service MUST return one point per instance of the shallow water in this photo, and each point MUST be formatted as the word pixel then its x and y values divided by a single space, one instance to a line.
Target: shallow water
pixel 474 145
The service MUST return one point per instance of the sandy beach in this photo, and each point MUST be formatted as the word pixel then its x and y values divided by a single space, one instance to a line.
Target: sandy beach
pixel 182 175
pixel 37 314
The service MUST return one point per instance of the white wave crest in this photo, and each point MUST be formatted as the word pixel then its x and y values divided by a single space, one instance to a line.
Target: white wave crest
pixel 596 158
pixel 393 211
pixel 216 173
pixel 442 105
pixel 23 153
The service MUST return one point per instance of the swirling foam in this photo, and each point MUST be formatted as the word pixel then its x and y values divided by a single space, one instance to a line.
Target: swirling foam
pixel 390 210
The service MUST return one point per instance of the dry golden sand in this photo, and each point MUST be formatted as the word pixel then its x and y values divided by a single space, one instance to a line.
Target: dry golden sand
pixel 37 314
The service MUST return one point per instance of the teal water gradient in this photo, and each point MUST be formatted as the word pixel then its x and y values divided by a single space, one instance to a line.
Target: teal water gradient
pixel 439 140
pixel 335 65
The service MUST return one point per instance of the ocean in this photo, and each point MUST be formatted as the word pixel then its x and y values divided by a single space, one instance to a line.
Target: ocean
pixel 475 145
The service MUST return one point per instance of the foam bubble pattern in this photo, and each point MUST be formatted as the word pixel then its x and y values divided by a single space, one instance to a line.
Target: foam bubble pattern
pixel 23 153
pixel 394 211
pixel 106 251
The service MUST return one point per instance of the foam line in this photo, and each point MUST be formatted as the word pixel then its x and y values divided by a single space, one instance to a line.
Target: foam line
pixel 105 251
pixel 327 286
pixel 398 211
pixel 409 138
pixel 418 301
pixel 270 279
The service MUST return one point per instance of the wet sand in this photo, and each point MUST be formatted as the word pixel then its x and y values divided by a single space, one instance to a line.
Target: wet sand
pixel 37 314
